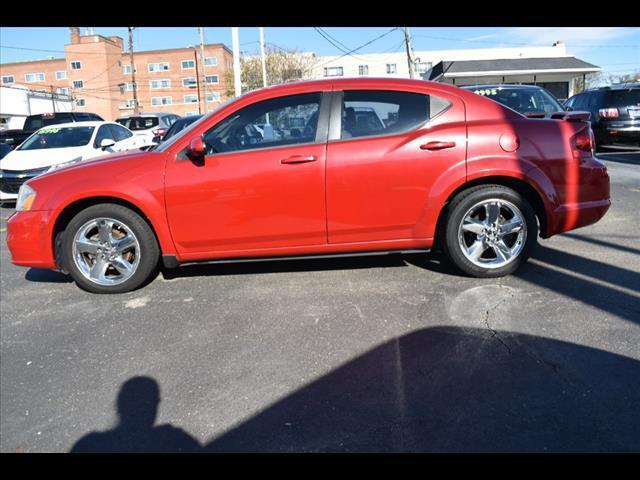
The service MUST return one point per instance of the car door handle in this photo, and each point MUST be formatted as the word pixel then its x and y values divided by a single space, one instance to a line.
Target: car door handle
pixel 437 145
pixel 299 159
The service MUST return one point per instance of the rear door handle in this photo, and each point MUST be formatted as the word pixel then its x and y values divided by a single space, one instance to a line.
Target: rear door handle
pixel 299 159
pixel 437 145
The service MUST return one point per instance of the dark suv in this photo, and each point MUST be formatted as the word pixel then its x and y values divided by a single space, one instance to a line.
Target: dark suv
pixel 615 114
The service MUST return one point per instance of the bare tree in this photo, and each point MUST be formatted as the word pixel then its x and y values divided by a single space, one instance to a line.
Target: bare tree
pixel 283 66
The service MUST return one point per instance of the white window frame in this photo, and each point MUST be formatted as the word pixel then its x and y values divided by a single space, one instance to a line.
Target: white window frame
pixel 149 65
pixel 206 80
pixel 128 86
pixel 131 103
pixel 63 90
pixel 5 77
pixel 125 67
pixel 79 64
pixel 160 81
pixel 182 62
pixel 194 84
pixel 76 81
pixel 83 104
pixel 58 77
pixel 184 98
pixel 423 67
pixel 26 75
pixel 162 101
pixel 361 68
pixel 395 68
pixel 214 64
pixel 329 69
pixel 216 99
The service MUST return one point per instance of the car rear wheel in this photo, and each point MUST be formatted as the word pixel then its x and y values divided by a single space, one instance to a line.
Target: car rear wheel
pixel 490 231
pixel 109 248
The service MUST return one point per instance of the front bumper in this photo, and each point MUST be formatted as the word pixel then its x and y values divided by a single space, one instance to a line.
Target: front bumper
pixel 29 239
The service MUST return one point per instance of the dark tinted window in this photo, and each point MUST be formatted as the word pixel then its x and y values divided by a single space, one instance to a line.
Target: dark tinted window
pixel 180 125
pixel 83 117
pixel 39 121
pixel 521 99
pixel 139 123
pixel 120 133
pixel 104 132
pixel 378 112
pixel 56 137
pixel 580 101
pixel 271 123
pixel 623 98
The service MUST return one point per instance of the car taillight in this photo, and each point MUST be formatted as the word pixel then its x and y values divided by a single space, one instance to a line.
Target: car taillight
pixel 584 141
pixel 608 113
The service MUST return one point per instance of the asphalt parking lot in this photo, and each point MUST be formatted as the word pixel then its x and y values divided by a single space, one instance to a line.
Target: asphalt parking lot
pixel 378 353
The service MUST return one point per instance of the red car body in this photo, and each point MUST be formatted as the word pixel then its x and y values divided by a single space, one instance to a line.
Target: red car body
pixel 359 194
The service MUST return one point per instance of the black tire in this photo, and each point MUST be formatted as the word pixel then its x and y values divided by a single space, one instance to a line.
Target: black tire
pixel 461 204
pixel 149 249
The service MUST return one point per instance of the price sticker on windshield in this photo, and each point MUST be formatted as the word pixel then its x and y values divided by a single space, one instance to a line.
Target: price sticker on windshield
pixel 47 130
pixel 486 92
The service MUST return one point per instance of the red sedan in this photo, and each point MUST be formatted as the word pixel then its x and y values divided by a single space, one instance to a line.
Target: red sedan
pixel 320 167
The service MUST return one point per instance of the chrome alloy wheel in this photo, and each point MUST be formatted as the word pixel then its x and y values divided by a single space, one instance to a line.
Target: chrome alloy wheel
pixel 106 251
pixel 492 233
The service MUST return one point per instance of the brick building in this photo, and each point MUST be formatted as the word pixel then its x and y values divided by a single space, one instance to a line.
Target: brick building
pixel 96 71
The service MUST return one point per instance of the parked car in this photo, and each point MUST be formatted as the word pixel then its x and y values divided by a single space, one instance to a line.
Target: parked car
pixel 615 114
pixel 177 126
pixel 450 168
pixel 13 138
pixel 4 149
pixel 61 145
pixel 529 100
pixel 149 125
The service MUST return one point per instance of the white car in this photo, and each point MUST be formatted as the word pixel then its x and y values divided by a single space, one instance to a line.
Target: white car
pixel 60 145
pixel 149 125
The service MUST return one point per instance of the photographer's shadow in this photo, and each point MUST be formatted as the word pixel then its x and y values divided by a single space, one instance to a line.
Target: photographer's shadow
pixel 137 407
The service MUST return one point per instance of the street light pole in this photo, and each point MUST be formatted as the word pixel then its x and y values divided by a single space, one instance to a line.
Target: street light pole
pixel 204 73
pixel 264 63
pixel 407 41
pixel 133 73
pixel 235 40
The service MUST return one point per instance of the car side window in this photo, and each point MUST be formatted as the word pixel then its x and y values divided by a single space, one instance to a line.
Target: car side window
pixel 380 112
pixel 104 132
pixel 120 133
pixel 276 122
pixel 580 101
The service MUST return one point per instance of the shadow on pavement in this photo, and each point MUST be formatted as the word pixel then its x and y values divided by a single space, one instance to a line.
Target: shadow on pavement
pixel 461 390
pixel 47 276
pixel 630 158
pixel 137 407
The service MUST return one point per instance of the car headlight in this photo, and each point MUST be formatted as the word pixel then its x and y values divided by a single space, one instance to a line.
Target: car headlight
pixel 26 197
pixel 65 164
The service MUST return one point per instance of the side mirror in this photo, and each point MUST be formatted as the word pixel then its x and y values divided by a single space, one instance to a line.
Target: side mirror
pixel 197 149
pixel 106 143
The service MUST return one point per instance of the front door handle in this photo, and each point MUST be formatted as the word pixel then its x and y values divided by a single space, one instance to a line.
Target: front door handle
pixel 299 159
pixel 437 145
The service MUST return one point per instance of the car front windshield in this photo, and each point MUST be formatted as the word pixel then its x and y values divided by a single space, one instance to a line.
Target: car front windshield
pixel 522 100
pixel 58 137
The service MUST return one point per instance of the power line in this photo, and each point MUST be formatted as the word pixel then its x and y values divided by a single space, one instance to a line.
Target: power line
pixel 359 48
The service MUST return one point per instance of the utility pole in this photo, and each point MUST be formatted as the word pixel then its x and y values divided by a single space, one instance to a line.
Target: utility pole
pixel 407 41
pixel 204 73
pixel 133 73
pixel 195 56
pixel 264 62
pixel 53 102
pixel 235 41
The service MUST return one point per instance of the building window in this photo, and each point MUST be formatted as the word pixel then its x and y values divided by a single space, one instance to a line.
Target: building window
pixel 190 99
pixel 422 67
pixel 8 79
pixel 213 97
pixel 128 86
pixel 211 79
pixel 159 67
pixel 78 84
pixel 163 83
pixel 363 69
pixel 211 61
pixel 131 103
pixel 61 75
pixel 391 68
pixel 161 100
pixel 34 77
pixel 333 71
pixel 80 102
pixel 63 91
pixel 188 64
pixel 126 69
pixel 76 65
pixel 189 82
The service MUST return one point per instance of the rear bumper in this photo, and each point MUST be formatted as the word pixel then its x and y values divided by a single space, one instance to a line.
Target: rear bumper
pixel 569 217
pixel 29 239
pixel 623 136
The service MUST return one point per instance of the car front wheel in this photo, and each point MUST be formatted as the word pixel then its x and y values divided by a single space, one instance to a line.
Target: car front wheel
pixel 109 248
pixel 490 231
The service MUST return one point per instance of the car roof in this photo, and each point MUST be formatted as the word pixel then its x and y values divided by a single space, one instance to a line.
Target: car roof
pixel 147 114
pixel 92 123
pixel 502 85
